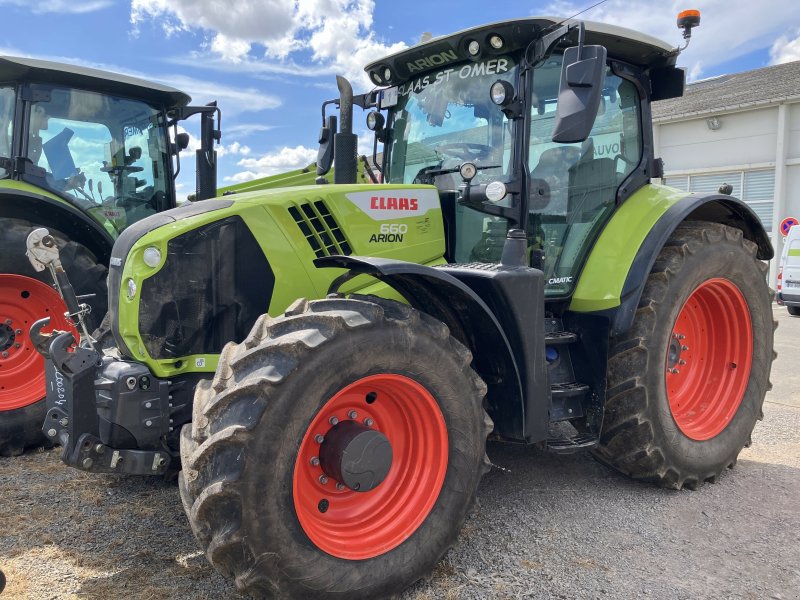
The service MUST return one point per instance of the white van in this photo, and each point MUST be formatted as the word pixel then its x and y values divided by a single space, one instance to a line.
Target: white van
pixel 788 292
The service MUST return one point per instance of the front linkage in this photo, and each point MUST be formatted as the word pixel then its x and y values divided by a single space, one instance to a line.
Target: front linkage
pixel 91 395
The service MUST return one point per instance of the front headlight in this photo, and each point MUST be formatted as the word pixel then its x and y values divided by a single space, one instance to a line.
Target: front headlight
pixel 152 257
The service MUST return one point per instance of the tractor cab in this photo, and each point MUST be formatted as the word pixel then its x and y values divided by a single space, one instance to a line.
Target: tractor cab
pixel 97 141
pixel 484 115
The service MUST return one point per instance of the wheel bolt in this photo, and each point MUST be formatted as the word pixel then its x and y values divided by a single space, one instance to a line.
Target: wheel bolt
pixel 17 345
pixel 681 362
pixel 319 438
pixel 333 421
pixel 674 371
pixel 8 321
pixel 314 461
pixel 340 486
pixel 369 422
pixel 684 347
pixel 5 354
pixel 323 479
pixel 681 336
pixel 51 432
pixel 352 414
pixel 18 332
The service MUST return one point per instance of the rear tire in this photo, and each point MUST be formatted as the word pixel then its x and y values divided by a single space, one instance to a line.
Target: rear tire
pixel 249 484
pixel 794 310
pixel 26 296
pixel 686 383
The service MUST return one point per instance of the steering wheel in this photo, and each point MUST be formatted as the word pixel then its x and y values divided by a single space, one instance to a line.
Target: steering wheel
pixel 465 150
pixel 121 169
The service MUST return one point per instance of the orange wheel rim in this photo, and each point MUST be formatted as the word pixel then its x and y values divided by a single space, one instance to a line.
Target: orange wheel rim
pixel 24 300
pixel 357 525
pixel 709 357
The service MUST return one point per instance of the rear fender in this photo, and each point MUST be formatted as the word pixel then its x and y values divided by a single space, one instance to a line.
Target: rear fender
pixel 614 274
pixel 475 324
pixel 47 211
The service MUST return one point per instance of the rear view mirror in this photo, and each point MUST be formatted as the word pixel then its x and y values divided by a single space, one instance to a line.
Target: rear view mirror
pixel 579 93
pixel 325 154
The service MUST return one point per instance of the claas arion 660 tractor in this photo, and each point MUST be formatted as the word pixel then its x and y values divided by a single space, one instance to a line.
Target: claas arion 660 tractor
pixel 516 274
pixel 85 153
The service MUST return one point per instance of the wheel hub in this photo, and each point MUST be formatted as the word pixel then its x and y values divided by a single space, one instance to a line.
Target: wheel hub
pixel 7 337
pixel 356 456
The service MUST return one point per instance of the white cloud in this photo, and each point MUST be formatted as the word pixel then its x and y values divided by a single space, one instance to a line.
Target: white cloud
pixel 246 129
pixel 280 161
pixel 727 31
pixel 337 33
pixel 785 49
pixel 59 6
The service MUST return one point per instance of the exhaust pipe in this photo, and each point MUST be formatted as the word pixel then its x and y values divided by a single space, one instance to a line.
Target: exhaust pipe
pixel 345 143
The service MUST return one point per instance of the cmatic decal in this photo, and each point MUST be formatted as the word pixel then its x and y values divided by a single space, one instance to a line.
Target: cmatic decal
pixel 554 280
pixel 387 204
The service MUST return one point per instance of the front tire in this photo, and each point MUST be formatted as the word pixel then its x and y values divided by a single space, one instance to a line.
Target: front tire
pixel 794 310
pixel 686 383
pixel 26 296
pixel 256 484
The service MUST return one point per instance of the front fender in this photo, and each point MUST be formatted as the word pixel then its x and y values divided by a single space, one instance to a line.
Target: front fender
pixel 508 357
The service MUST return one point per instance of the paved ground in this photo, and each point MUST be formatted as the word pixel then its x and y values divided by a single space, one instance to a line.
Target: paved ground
pixel 545 526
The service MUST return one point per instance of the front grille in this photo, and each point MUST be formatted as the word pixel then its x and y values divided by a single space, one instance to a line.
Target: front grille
pixel 320 229
pixel 213 286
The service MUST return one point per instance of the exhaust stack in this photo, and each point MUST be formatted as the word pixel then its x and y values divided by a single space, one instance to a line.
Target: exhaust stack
pixel 345 143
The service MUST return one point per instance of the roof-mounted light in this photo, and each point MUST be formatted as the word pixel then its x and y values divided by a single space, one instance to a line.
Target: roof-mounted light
pixel 496 42
pixel 376 78
pixel 501 92
pixel 474 48
pixel 387 74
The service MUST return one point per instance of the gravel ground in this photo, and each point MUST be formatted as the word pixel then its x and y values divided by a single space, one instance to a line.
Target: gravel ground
pixel 545 526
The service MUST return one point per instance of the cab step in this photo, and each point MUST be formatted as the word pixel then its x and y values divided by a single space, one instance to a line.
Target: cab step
pixel 554 338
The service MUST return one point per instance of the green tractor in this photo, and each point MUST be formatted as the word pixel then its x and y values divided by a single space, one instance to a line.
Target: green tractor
pixel 86 154
pixel 515 275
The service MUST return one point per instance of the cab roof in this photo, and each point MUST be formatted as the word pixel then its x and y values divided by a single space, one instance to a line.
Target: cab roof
pixel 623 44
pixel 14 68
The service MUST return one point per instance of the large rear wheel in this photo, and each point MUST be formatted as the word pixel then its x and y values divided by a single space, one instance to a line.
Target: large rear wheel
pixel 686 383
pixel 336 452
pixel 25 297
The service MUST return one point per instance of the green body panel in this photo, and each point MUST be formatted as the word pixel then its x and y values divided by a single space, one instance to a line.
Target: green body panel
pixel 289 253
pixel 603 276
pixel 12 186
pixel 794 252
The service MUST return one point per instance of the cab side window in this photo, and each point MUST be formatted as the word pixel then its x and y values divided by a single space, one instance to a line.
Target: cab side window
pixel 6 123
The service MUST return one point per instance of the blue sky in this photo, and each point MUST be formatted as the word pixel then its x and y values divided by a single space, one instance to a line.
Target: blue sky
pixel 270 63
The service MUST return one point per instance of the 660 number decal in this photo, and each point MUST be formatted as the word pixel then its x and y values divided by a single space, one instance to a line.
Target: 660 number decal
pixel 390 232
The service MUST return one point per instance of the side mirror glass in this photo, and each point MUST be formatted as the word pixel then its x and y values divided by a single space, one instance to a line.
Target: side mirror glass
pixel 579 93
pixel 181 141
pixel 325 153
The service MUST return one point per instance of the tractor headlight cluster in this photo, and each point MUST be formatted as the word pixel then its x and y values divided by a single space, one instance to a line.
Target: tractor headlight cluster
pixel 152 257
pixel 131 288
pixel 496 191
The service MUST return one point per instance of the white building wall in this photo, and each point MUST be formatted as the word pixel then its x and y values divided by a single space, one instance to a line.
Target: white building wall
pixel 747 140
pixel 743 138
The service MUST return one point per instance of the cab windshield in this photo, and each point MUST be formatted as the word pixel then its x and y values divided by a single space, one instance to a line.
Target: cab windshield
pixel 107 154
pixel 445 118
